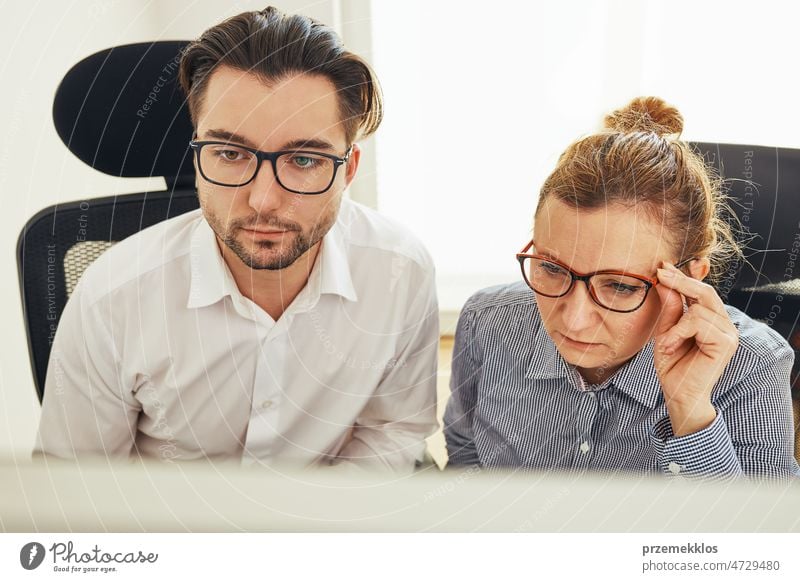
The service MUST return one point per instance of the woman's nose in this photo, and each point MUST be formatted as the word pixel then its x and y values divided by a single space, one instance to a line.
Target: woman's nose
pixel 578 310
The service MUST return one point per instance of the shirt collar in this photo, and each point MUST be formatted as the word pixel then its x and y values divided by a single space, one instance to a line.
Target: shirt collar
pixel 637 378
pixel 211 280
pixel 546 362
pixel 333 265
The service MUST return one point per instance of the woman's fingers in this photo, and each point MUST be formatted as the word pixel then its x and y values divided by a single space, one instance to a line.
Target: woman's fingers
pixel 671 309
pixel 695 291
pixel 713 333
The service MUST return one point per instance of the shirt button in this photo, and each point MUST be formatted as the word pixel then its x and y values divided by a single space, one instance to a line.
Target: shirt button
pixel 584 447
pixel 592 395
pixel 674 468
pixel 267 404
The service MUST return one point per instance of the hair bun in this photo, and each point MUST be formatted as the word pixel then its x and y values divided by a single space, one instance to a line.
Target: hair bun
pixel 646 114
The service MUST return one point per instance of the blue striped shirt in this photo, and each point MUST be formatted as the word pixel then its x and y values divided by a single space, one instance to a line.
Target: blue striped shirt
pixel 516 403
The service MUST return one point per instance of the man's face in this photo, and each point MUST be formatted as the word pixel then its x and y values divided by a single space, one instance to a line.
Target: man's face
pixel 265 225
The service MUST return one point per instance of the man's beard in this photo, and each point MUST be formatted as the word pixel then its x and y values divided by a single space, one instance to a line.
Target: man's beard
pixel 299 242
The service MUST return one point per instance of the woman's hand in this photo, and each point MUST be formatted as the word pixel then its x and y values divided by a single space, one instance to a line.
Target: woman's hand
pixel 692 348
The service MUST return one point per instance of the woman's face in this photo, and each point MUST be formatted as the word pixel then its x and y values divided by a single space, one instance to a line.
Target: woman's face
pixel 614 238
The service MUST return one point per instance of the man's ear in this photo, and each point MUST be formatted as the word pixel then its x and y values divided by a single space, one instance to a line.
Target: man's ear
pixel 352 164
pixel 699 268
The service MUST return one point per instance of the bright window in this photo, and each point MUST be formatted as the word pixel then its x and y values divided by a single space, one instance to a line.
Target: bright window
pixel 481 98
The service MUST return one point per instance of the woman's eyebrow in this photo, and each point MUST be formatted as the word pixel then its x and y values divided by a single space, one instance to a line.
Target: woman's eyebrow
pixel 552 255
pixel 543 251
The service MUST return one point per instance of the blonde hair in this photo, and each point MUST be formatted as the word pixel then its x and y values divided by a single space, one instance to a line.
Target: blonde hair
pixel 638 159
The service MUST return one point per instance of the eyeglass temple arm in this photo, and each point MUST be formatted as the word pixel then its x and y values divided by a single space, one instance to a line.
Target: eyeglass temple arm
pixel 526 248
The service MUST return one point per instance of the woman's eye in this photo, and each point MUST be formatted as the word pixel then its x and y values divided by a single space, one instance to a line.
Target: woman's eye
pixel 551 268
pixel 623 289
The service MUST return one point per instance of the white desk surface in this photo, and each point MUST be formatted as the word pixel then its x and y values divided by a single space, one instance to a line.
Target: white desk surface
pixel 55 497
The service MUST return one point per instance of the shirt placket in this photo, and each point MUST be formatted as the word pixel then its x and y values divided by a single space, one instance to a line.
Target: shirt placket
pixel 263 430
pixel 586 416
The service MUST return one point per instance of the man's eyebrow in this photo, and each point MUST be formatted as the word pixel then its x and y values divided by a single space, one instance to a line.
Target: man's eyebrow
pixel 303 144
pixel 229 136
pixel 295 144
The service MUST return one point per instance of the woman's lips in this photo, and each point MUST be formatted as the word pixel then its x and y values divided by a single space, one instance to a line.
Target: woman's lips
pixel 569 342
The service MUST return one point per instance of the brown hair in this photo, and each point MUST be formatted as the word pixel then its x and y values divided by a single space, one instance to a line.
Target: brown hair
pixel 272 46
pixel 638 159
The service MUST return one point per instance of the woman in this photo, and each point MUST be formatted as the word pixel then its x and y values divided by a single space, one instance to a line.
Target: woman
pixel 613 353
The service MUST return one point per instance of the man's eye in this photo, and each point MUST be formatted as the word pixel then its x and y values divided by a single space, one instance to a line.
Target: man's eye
pixel 229 155
pixel 304 162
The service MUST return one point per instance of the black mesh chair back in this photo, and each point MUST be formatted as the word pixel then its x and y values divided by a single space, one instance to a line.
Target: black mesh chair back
pixel 121 112
pixel 764 184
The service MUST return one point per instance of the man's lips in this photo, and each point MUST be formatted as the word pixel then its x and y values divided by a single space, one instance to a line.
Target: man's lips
pixel 271 232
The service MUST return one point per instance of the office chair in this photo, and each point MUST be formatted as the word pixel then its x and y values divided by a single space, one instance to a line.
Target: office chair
pixel 121 112
pixel 764 186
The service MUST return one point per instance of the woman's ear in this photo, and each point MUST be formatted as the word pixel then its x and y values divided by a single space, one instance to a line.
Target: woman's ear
pixel 699 268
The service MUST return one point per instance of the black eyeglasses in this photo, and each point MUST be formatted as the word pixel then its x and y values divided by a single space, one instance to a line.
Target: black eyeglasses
pixel 614 290
pixel 298 171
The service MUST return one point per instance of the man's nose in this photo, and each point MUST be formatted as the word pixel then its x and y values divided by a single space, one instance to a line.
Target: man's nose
pixel 265 192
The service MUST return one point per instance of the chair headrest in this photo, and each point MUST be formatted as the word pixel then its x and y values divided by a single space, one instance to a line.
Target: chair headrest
pixel 122 112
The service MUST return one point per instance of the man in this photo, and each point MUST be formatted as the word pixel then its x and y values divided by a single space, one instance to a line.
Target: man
pixel 279 323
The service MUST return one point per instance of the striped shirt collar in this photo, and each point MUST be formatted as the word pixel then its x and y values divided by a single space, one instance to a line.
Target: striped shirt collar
pixel 637 378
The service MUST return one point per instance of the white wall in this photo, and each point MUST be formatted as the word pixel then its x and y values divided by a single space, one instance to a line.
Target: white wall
pixel 482 97
pixel 40 42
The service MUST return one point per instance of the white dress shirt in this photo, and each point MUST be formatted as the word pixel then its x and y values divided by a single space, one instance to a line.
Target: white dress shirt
pixel 158 353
